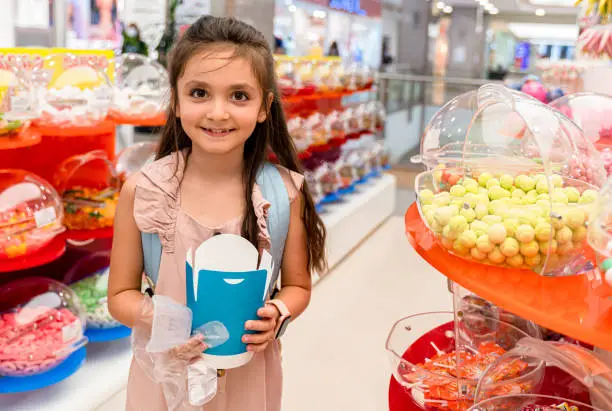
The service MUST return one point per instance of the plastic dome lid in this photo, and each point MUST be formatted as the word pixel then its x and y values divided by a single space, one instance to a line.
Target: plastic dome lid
pixel 600 231
pixel 578 362
pixel 31 213
pixel 494 127
pixel 592 112
pixel 17 106
pixel 41 323
pixel 72 91
pixel 92 169
pixel 141 87
pixel 134 158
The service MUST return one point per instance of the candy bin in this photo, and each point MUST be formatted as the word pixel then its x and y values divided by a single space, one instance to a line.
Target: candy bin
pixel 315 129
pixel 71 92
pixel 593 114
pixel 441 372
pixel 314 187
pixel 346 171
pixel 600 233
pixel 41 324
pixel 285 74
pixel 335 81
pixel 352 126
pixel 30 214
pixel 511 182
pixel 133 158
pixel 17 105
pixel 89 187
pixel 591 376
pixel 334 126
pixel 329 179
pixel 305 77
pixel 140 87
pixel 301 137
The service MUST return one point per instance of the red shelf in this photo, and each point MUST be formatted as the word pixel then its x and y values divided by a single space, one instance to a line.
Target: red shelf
pixel 575 306
pixel 22 139
pixel 86 235
pixel 156 121
pixel 51 252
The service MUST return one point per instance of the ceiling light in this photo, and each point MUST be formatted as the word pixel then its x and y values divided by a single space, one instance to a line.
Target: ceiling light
pixel 489 7
pixel 448 9
pixel 494 10
pixel 292 8
pixel 321 14
pixel 540 12
pixel 483 2
pixel 440 5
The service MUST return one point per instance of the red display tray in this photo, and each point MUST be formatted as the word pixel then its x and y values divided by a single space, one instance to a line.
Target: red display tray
pixel 156 121
pixel 22 139
pixel 576 306
pixel 84 236
pixel 556 382
pixel 51 252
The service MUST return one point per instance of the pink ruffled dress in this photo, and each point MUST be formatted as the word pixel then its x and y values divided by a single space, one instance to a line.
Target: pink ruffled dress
pixel 257 386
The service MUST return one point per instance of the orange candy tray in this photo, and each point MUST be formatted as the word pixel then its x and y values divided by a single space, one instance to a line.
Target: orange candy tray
pixel 574 306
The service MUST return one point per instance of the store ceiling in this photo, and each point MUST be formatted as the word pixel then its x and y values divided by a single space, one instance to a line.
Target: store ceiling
pixel 526 7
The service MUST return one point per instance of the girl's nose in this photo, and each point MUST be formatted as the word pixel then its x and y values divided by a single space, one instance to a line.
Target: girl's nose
pixel 218 112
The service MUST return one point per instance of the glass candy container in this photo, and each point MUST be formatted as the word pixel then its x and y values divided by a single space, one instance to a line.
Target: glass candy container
pixel 286 75
pixel 41 323
pixel 30 213
pixel 316 132
pixel 442 372
pixel 134 158
pixel 510 182
pixel 17 106
pixel 89 187
pixel 600 232
pixel 141 88
pixel 589 371
pixel 593 114
pixel 301 137
pixel 71 92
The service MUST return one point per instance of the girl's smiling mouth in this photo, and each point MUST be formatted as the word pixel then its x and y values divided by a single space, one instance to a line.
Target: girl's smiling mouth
pixel 217 132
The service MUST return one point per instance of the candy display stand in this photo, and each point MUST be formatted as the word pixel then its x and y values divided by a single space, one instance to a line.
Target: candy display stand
pixel 503 211
pixel 21 139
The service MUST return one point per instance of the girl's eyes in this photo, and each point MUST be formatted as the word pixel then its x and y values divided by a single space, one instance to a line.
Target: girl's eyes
pixel 198 93
pixel 240 96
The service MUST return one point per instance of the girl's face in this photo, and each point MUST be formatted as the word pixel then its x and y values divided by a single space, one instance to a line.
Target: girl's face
pixel 219 101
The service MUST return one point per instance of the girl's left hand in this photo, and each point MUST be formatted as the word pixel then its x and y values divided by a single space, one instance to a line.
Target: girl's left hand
pixel 266 326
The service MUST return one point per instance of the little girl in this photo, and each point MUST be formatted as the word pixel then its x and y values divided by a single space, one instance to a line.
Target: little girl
pixel 224 115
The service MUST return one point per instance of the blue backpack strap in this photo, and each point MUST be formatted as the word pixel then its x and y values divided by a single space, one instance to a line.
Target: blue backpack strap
pixel 273 188
pixel 151 251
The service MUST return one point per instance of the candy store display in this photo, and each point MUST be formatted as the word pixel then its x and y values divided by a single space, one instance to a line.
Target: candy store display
pixel 501 189
pixel 442 371
pixel 89 187
pixel 133 158
pixel 140 88
pixel 17 105
pixel 92 291
pixel 600 232
pixel 596 41
pixel 41 324
pixel 530 403
pixel 315 131
pixel 301 137
pixel 71 93
pixel 30 214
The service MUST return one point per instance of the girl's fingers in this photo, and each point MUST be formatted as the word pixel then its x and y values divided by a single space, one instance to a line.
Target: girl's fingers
pixel 260 325
pixel 268 312
pixel 261 338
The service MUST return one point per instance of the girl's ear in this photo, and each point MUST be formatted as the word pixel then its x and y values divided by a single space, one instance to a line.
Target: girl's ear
pixel 263 113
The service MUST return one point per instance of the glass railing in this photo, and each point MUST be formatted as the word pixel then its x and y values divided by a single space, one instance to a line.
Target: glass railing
pixel 411 100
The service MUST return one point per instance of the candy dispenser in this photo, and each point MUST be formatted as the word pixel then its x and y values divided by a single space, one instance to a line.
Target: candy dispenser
pixel 589 371
pixel 71 92
pixel 301 137
pixel 334 126
pixel 89 187
pixel 141 88
pixel 593 114
pixel 41 324
pixel 441 372
pixel 511 182
pixel 133 158
pixel 329 179
pixel 30 214
pixel 286 75
pixel 316 133
pixel 17 105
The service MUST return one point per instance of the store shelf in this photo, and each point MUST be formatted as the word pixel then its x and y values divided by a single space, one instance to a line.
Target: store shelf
pixel 50 252
pixel 104 373
pixel 22 139
pixel 575 306
pixel 350 221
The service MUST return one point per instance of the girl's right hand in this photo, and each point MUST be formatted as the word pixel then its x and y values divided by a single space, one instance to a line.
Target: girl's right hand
pixel 191 350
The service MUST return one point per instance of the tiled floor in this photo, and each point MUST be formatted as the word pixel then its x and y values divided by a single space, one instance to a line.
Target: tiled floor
pixel 334 356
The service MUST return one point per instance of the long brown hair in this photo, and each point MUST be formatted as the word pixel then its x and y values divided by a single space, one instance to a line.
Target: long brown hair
pixel 271 133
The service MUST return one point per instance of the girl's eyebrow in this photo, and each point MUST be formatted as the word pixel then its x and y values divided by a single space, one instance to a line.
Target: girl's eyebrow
pixel 237 86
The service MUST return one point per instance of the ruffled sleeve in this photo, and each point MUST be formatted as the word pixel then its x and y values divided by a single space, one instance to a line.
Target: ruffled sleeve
pixel 156 198
pixel 293 182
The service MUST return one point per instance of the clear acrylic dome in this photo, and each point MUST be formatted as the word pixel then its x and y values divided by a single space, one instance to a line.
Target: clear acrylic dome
pixel 591 112
pixel 17 104
pixel 589 371
pixel 41 323
pixel 511 182
pixel 141 87
pixel 31 213
pixel 600 232
pixel 134 158
pixel 71 92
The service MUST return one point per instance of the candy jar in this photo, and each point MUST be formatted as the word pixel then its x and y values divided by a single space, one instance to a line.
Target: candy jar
pixel 140 88
pixel 336 81
pixel 30 213
pixel 301 137
pixel 334 126
pixel 314 187
pixel 17 104
pixel 285 75
pixel 328 177
pixel 593 114
pixel 346 170
pixel 315 129
pixel 441 371
pixel 305 77
pixel 133 158
pixel 363 120
pixel 41 324
pixel 592 379
pixel 89 187
pixel 352 126
pixel 510 182
pixel 71 92
pixel 600 232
